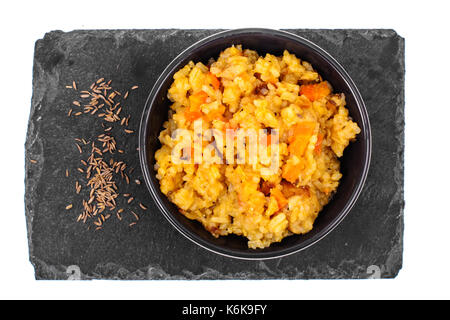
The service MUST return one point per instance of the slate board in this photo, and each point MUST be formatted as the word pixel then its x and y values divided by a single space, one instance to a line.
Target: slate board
pixel 367 244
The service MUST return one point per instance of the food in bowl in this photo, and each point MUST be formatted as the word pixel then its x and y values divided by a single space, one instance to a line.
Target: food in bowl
pixel 252 145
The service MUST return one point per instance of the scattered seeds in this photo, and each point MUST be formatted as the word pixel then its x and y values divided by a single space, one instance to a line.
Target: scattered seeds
pixel 77 187
pixel 69 207
pixel 142 206
pixel 33 161
pixel 135 215
pixel 99 174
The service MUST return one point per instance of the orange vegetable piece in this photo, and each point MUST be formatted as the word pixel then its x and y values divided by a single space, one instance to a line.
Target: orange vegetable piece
pixel 318 147
pixel 305 128
pixel 291 172
pixel 299 137
pixel 281 200
pixel 192 115
pixel 315 91
pixel 298 147
pixel 197 99
pixel 214 81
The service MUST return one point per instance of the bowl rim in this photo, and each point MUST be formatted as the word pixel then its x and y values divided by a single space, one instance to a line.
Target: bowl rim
pixel 257 255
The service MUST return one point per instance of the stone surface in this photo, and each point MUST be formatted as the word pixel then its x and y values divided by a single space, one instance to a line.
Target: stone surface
pixel 367 244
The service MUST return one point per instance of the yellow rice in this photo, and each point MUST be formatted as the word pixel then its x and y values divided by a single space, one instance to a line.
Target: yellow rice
pixel 256 92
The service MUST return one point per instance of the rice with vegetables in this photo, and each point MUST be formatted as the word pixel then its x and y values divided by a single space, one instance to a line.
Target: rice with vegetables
pixel 307 123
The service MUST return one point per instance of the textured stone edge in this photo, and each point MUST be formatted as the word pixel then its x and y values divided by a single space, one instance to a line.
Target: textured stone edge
pixel 31 140
pixel 111 271
pixel 394 263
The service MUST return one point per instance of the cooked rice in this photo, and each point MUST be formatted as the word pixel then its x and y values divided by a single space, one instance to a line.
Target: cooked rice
pixel 244 90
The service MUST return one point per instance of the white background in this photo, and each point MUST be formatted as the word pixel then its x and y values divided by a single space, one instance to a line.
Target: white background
pixel 424 25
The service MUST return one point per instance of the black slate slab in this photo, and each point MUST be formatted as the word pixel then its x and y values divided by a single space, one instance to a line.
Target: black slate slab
pixel 367 244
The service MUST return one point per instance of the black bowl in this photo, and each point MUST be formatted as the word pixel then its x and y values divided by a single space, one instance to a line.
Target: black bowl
pixel 354 163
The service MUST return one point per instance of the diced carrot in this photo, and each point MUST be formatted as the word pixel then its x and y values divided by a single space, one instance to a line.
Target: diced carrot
pixel 291 172
pixel 214 81
pixel 281 200
pixel 315 91
pixel 305 128
pixel 298 146
pixel 299 137
pixel 318 147
pixel 197 99
pixel 192 115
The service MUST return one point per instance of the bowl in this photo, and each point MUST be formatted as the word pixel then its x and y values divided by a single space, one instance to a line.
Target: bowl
pixel 354 163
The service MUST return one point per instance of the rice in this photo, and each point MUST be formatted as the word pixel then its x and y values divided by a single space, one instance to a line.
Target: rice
pixel 305 121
